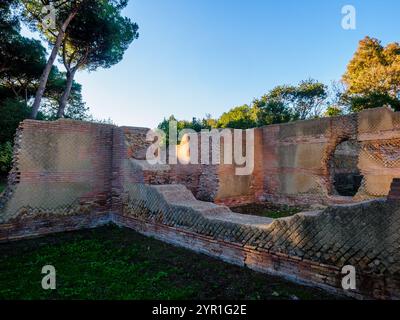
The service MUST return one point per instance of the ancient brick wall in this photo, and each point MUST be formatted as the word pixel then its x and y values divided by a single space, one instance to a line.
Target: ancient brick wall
pixel 394 194
pixel 293 162
pixel 60 168
pixel 76 160
pixel 69 175
pixel 236 189
pixel 211 182
pixel 309 247
pixel 379 135
pixel 297 156
pixel 199 179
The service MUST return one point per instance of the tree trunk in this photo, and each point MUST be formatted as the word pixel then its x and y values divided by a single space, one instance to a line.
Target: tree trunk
pixel 66 93
pixel 45 75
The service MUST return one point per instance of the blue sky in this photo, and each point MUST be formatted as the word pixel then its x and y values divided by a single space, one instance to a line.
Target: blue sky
pixel 205 56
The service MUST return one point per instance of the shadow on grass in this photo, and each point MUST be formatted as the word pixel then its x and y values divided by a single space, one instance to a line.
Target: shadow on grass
pixel 118 263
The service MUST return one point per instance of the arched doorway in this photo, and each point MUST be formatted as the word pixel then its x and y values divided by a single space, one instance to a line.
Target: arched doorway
pixel 345 174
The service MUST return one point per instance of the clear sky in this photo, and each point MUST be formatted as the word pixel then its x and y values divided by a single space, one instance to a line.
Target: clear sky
pixel 205 56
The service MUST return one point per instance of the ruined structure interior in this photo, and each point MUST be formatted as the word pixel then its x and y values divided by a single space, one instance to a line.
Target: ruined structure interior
pixel 69 175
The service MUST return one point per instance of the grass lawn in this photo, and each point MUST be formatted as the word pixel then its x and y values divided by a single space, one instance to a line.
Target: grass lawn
pixel 117 263
pixel 267 210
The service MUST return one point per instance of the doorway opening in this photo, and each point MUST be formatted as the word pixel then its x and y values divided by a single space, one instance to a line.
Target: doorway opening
pixel 345 174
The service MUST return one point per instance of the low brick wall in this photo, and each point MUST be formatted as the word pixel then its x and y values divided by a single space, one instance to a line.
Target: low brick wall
pixel 291 268
pixel 309 247
pixel 39 225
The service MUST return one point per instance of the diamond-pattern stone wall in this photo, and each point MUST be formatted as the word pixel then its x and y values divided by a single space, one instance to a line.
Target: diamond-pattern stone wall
pixel 60 168
pixel 298 156
pixel 365 235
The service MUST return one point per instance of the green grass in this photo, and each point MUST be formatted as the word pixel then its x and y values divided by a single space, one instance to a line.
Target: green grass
pixel 268 210
pixel 117 263
pixel 276 214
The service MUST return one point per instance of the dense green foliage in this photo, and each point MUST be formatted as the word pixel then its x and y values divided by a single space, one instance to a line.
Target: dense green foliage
pixel 84 33
pixel 97 37
pixel 114 263
pixel 333 111
pixel 372 77
pixel 21 63
pixel 6 151
pixel 2 185
pixel 22 60
pixel 12 113
pixel 241 117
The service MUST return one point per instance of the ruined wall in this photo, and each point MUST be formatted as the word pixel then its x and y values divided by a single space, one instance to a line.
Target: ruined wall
pixel 379 134
pixel 69 175
pixel 309 247
pixel 199 179
pixel 61 169
pixel 236 189
pixel 297 156
pixel 293 162
pixel 71 162
pixel 211 182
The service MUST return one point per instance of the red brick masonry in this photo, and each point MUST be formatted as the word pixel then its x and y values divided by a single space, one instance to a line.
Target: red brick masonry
pixel 68 175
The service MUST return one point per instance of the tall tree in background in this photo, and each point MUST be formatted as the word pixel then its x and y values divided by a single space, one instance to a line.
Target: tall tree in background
pixel 75 108
pixel 97 38
pixel 270 111
pixel 241 117
pixel 25 62
pixel 20 80
pixel 22 61
pixel 372 77
pixel 38 13
pixel 305 101
pixel 309 99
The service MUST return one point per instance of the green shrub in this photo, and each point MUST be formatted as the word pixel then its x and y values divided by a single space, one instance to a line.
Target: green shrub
pixel 12 112
pixel 333 111
pixel 6 154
